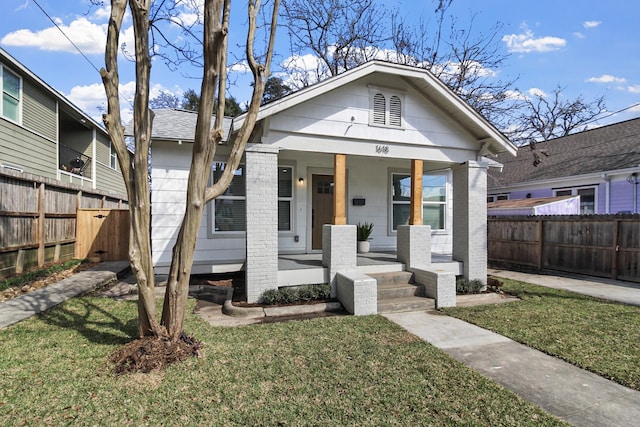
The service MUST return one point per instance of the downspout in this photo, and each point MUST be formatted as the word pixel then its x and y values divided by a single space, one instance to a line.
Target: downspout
pixel 607 192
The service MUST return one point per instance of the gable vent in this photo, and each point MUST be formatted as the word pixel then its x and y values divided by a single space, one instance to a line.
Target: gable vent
pixel 395 111
pixel 379 109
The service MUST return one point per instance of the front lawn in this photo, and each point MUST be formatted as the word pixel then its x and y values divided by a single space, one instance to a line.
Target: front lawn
pixel 601 336
pixel 327 371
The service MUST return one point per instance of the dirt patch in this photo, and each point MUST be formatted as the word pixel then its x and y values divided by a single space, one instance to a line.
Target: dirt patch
pixel 34 285
pixel 149 354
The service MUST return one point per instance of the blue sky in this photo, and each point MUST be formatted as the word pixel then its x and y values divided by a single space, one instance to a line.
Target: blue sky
pixel 588 47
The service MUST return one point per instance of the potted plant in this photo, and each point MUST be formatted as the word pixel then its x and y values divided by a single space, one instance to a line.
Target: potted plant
pixel 363 235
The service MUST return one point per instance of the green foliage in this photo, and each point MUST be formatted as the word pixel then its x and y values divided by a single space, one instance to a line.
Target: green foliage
pixel 364 231
pixel 465 286
pixel 289 294
pixel 37 274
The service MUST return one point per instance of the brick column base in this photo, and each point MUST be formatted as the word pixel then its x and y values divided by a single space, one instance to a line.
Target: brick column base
pixel 339 250
pixel 414 246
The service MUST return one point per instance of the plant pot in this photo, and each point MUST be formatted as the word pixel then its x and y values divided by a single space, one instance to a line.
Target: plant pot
pixel 364 246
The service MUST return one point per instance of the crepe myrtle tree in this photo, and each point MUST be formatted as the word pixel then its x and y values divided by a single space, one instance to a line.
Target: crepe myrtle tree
pixel 214 30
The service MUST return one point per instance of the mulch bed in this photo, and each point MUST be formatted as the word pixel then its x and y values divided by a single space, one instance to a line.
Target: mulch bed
pixel 153 353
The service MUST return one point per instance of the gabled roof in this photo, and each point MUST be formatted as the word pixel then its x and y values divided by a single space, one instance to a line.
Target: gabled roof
pixel 423 81
pixel 607 148
pixel 66 105
pixel 173 124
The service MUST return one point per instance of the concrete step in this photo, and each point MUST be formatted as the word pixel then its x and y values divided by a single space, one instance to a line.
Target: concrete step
pixel 394 277
pixel 392 291
pixel 399 305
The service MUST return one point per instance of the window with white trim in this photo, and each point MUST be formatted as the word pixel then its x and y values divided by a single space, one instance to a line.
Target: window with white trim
pixel 434 200
pixel 11 95
pixel 587 198
pixel 230 208
pixel 285 198
pixel 113 157
pixel 386 107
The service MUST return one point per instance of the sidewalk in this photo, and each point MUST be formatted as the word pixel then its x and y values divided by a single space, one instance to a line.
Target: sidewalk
pixel 25 306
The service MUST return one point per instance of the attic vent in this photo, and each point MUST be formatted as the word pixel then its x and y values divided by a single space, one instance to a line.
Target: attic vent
pixel 395 111
pixel 379 109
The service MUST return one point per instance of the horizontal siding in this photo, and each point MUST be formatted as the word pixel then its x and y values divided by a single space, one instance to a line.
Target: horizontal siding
pixel 39 112
pixel 31 152
pixel 102 149
pixel 109 180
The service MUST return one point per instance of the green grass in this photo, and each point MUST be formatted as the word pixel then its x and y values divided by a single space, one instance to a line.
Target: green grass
pixel 597 335
pixel 37 274
pixel 327 371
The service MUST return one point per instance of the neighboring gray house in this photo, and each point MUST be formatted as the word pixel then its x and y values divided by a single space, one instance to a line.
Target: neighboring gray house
pixel 325 158
pixel 559 205
pixel 44 134
pixel 601 166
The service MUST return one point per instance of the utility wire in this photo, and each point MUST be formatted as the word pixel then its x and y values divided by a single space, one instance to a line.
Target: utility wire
pixel 66 36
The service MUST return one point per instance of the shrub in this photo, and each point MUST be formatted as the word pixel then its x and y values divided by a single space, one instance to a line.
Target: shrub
pixel 288 295
pixel 465 286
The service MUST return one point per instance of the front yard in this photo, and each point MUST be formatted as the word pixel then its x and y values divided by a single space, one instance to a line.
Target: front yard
pixel 327 371
pixel 597 335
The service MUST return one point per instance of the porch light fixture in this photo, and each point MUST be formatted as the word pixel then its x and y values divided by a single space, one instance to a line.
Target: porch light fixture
pixel 301 180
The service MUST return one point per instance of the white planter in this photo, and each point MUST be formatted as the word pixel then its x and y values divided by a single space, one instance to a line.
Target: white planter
pixel 364 246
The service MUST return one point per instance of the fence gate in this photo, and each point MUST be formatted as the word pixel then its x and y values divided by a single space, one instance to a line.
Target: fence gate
pixel 102 233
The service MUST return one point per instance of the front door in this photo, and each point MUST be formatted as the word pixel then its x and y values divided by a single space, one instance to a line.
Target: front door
pixel 321 207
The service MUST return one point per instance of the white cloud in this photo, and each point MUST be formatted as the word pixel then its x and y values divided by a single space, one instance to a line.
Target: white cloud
pixel 578 35
pixel 606 78
pixel 526 42
pixel 89 37
pixel 633 88
pixel 239 67
pixel 591 24
pixel 534 91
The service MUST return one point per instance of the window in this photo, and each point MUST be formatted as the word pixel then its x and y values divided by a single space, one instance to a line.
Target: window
pixel 113 158
pixel 11 95
pixel 587 198
pixel 496 197
pixel 434 200
pixel 385 107
pixel 230 208
pixel 285 198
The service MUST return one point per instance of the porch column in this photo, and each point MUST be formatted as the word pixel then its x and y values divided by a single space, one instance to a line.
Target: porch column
pixel 339 247
pixel 470 219
pixel 413 241
pixel 262 220
pixel 339 189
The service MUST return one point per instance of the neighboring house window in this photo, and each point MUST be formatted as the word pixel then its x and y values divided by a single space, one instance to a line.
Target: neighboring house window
pixel 11 95
pixel 230 208
pixel 386 107
pixel 113 158
pixel 496 197
pixel 285 198
pixel 587 198
pixel 434 200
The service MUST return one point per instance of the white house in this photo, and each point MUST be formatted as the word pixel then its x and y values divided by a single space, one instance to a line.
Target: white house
pixel 325 158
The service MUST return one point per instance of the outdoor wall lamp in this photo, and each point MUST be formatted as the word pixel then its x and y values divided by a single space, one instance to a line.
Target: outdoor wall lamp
pixel 301 180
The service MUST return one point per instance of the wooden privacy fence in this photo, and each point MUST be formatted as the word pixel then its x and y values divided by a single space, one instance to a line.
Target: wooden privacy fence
pixel 38 219
pixel 102 233
pixel 595 245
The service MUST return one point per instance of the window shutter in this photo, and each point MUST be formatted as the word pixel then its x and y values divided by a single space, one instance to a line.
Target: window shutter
pixel 395 111
pixel 379 109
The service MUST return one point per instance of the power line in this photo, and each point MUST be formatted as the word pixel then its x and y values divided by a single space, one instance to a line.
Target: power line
pixel 66 36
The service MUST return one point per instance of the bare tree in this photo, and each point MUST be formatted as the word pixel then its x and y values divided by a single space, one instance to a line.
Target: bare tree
pixel 215 28
pixel 545 117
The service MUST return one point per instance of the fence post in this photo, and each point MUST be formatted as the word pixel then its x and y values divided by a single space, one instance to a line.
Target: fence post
pixel 614 249
pixel 540 245
pixel 41 224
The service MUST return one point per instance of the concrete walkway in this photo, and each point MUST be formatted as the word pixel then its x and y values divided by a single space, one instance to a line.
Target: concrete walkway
pixel 614 290
pixel 25 306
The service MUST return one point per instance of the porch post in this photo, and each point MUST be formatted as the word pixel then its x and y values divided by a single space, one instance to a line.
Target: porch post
pixel 262 220
pixel 470 219
pixel 415 216
pixel 339 251
pixel 339 189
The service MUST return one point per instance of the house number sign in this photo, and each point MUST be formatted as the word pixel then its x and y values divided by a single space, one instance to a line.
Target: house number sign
pixel 382 149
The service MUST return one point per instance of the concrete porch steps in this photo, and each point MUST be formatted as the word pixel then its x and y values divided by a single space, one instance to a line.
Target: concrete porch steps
pixel 397 293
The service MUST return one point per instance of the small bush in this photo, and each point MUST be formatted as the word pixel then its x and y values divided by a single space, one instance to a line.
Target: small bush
pixel 465 286
pixel 288 295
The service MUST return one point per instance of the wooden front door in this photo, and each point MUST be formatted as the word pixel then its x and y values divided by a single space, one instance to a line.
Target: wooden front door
pixel 321 207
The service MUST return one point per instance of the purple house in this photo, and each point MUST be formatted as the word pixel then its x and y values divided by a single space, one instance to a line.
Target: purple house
pixel 600 165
